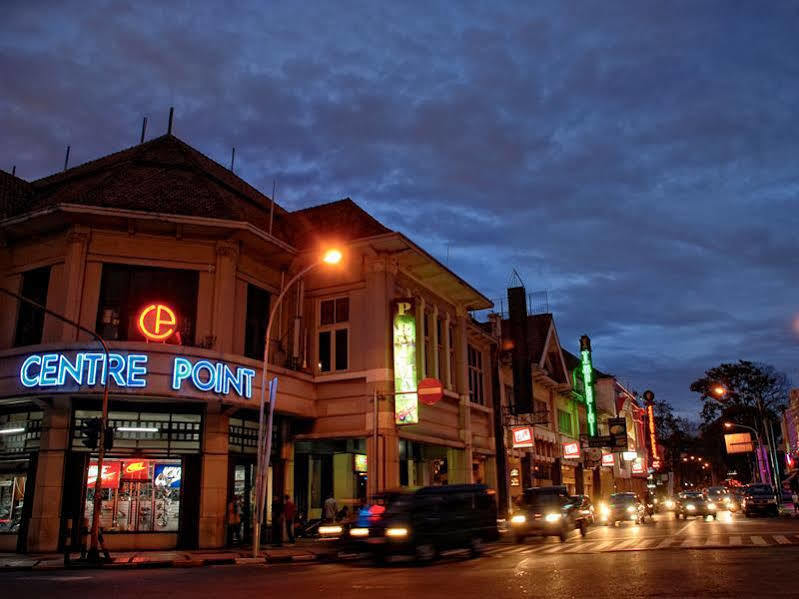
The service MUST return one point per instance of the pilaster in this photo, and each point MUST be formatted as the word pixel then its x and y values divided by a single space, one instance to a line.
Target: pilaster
pixel 227 255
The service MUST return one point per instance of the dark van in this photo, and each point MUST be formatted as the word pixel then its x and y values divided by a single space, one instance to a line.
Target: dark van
pixel 423 522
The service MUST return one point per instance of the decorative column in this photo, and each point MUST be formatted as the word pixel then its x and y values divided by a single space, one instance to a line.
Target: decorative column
pixel 214 490
pixel 434 342
pixel 227 254
pixel 382 457
pixel 74 273
pixel 447 362
pixel 462 387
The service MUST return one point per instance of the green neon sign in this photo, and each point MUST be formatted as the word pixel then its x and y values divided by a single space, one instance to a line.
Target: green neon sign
pixel 588 381
pixel 406 404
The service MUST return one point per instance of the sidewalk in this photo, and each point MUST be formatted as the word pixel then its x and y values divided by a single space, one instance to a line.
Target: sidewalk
pixel 303 551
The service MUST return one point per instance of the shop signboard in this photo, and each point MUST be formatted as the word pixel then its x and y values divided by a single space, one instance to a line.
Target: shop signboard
pixel 571 450
pixel 167 476
pixel 617 427
pixel 522 436
pixel 157 322
pixel 600 441
pixel 587 369
pixel 69 373
pixel 739 443
pixel 406 403
pixel 629 456
pixel 638 466
pixel 515 480
pixel 135 470
pixel 608 459
pixel 109 478
pixel 359 462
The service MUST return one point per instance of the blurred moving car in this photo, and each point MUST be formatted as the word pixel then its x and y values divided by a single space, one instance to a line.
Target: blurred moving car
pixel 720 496
pixel 668 503
pixel 585 507
pixel 423 522
pixel 547 511
pixel 622 507
pixel 692 503
pixel 760 499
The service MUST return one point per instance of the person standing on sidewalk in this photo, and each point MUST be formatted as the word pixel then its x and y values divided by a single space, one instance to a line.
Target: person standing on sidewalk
pixel 290 512
pixel 329 509
pixel 277 520
pixel 233 522
pixel 795 498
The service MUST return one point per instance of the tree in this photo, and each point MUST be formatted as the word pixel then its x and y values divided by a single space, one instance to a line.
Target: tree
pixel 750 390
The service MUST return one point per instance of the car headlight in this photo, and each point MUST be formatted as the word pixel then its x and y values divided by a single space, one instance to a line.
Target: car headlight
pixel 690 507
pixel 711 506
pixel 604 510
pixel 669 504
pixel 330 530
pixel 359 532
pixel 397 532
pixel 518 519
pixel 552 517
pixel 630 509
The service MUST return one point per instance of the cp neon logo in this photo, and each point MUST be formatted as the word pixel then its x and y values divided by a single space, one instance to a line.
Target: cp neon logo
pixel 157 322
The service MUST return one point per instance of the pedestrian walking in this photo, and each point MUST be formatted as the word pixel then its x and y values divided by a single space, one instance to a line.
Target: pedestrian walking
pixel 233 522
pixel 795 498
pixel 329 509
pixel 278 513
pixel 290 513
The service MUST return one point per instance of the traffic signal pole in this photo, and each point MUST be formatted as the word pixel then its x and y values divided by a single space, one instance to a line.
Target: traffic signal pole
pixel 94 548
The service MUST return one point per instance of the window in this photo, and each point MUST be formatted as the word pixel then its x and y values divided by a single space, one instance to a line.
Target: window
pixel 442 358
pixel 475 363
pixel 125 290
pixel 138 494
pixel 255 323
pixel 333 350
pixel 134 432
pixel 564 422
pixel 30 320
pixel 509 396
pixel 541 409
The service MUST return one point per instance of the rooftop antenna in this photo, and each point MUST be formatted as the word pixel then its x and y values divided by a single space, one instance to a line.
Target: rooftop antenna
pixel 272 206
pixel 514 277
pixel 143 130
pixel 171 114
pixel 232 158
pixel 66 159
pixel 14 170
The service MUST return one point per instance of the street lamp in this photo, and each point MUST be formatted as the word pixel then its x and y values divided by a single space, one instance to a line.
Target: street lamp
pixel 330 257
pixel 719 391
pixel 759 443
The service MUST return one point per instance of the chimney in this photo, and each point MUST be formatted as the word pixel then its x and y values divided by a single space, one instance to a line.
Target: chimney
pixel 522 368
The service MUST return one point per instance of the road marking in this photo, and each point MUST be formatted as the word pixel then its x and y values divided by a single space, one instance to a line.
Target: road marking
pixel 689 542
pixel 679 532
pixel 781 540
pixel 758 540
pixel 554 548
pixel 711 541
pixel 626 544
pixel 664 543
pixel 735 541
pixel 603 545
pixel 585 546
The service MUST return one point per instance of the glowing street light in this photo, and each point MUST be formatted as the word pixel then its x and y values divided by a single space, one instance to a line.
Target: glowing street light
pixel 331 257
pixel 719 391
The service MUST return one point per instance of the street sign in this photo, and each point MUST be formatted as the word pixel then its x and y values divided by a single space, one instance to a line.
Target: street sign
pixel 601 441
pixel 430 391
pixel 618 430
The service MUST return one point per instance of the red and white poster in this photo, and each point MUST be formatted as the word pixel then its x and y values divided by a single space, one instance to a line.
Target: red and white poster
pixel 608 459
pixel 571 450
pixel 522 436
pixel 110 477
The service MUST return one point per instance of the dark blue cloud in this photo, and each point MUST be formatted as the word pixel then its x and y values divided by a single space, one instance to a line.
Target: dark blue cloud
pixel 636 159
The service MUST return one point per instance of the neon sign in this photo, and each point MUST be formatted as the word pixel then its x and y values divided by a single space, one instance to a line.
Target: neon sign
pixel 88 369
pixel 157 322
pixel 406 405
pixel 588 379
pixel 653 442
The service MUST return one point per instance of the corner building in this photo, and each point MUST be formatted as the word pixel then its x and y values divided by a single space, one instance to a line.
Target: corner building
pixel 160 240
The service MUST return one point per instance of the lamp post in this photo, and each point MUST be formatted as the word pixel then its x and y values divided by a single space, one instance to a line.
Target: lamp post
pixel 757 436
pixel 94 552
pixel 331 257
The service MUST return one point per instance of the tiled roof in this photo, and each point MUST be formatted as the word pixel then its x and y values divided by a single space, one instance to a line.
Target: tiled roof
pixel 342 220
pixel 162 175
pixel 15 195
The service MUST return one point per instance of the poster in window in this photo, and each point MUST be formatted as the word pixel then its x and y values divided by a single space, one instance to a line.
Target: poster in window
pixel 135 470
pixel 167 476
pixel 109 478
pixel 360 462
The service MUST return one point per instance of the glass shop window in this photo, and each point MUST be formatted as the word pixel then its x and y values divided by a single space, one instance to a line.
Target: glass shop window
pixel 126 290
pixel 138 495
pixel 333 348
pixel 30 320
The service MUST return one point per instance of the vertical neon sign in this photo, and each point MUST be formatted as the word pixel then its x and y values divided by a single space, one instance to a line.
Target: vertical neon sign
pixel 406 405
pixel 650 413
pixel 588 380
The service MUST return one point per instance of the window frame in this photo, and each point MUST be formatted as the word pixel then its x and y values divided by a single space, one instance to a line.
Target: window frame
pixel 332 328
pixel 476 374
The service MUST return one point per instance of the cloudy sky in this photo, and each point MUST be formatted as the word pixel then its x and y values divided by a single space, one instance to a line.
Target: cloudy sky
pixel 638 160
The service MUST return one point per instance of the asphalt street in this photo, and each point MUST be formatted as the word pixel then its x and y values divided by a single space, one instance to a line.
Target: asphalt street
pixel 731 557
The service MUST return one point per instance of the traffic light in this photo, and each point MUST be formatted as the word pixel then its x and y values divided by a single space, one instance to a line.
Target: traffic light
pixel 108 442
pixel 90 432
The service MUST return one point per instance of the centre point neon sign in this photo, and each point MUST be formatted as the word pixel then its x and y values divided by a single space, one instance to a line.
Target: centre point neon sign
pixel 88 369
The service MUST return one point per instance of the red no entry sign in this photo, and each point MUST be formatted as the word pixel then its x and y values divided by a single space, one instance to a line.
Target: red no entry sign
pixel 430 391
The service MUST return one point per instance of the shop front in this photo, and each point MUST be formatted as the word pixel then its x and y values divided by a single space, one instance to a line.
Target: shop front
pixel 20 433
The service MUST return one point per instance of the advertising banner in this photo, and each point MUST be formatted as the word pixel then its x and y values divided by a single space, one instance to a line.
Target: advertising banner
pixel 135 470
pixel 359 462
pixel 738 443
pixel 406 404
pixel 571 450
pixel 522 436
pixel 167 476
pixel 110 477
pixel 617 427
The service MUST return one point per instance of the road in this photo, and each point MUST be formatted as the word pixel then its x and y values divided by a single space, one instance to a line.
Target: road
pixel 731 557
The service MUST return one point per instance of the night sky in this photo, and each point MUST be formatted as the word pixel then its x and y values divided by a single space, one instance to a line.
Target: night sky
pixel 637 160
